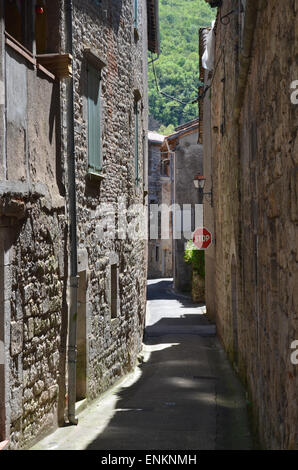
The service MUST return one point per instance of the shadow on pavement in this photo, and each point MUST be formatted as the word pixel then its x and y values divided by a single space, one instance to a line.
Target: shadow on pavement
pixel 187 396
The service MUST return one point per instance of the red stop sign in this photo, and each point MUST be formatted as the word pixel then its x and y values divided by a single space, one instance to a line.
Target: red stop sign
pixel 202 238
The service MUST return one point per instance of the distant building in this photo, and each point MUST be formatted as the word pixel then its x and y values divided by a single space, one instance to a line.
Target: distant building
pixel 159 185
pixel 183 155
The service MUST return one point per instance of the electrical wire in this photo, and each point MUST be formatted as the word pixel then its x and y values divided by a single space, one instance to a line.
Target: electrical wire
pixel 199 98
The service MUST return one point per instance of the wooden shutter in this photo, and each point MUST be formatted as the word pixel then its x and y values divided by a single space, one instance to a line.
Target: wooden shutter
pixel 136 112
pixel 136 14
pixel 94 121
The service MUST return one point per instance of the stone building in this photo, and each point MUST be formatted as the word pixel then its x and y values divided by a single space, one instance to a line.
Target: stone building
pixel 205 138
pixel 250 162
pixel 185 156
pixel 160 192
pixel 73 134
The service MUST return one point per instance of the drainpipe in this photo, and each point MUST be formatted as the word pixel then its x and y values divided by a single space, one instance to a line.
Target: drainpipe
pixel 73 303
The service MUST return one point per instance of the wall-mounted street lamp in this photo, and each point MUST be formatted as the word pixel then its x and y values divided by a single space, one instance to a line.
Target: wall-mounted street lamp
pixel 199 183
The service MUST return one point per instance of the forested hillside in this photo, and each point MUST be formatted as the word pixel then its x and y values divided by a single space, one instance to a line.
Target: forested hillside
pixel 177 68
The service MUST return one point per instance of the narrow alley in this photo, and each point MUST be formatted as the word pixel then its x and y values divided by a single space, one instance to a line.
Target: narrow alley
pixel 183 395
pixel 148 226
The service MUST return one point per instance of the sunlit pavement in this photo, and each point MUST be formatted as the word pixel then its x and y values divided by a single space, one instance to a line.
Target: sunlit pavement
pixel 184 395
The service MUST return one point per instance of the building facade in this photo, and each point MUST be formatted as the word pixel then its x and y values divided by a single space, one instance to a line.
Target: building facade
pixel 250 161
pixel 160 263
pixel 73 133
pixel 186 158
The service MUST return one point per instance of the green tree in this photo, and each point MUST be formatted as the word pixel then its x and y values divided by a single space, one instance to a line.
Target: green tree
pixel 195 257
pixel 177 69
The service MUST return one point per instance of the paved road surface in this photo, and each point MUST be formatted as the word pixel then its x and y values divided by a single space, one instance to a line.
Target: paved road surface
pixel 183 396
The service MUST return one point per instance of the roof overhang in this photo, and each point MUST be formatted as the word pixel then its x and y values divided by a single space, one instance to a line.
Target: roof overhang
pixel 155 138
pixel 172 140
pixel 153 26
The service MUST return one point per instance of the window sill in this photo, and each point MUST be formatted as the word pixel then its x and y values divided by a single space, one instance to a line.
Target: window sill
pixel 59 65
pixel 92 176
pixel 115 324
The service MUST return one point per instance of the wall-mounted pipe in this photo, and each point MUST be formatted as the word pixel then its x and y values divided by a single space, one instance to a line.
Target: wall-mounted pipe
pixel 73 304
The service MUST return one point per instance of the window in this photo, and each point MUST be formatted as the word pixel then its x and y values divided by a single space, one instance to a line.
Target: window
pixel 165 168
pixel 41 28
pixel 114 291
pixel 14 11
pixel 26 21
pixel 47 35
pixel 32 30
pixel 157 254
pixel 136 115
pixel 94 121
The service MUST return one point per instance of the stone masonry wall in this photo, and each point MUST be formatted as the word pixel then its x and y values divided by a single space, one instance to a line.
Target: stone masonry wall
pixel 33 250
pixel 112 344
pixel 36 306
pixel 160 264
pixel 34 265
pixel 254 167
pixel 155 197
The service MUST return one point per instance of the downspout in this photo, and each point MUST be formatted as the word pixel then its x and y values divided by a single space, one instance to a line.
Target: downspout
pixel 72 324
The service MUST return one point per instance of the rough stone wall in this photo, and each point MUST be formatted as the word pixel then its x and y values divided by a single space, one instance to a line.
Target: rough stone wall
pixel 254 166
pixel 112 344
pixel 34 223
pixel 167 242
pixel 208 208
pixel 36 306
pixel 33 250
pixel 154 197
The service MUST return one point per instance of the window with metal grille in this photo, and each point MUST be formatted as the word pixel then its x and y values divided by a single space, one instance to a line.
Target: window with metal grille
pixel 94 121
